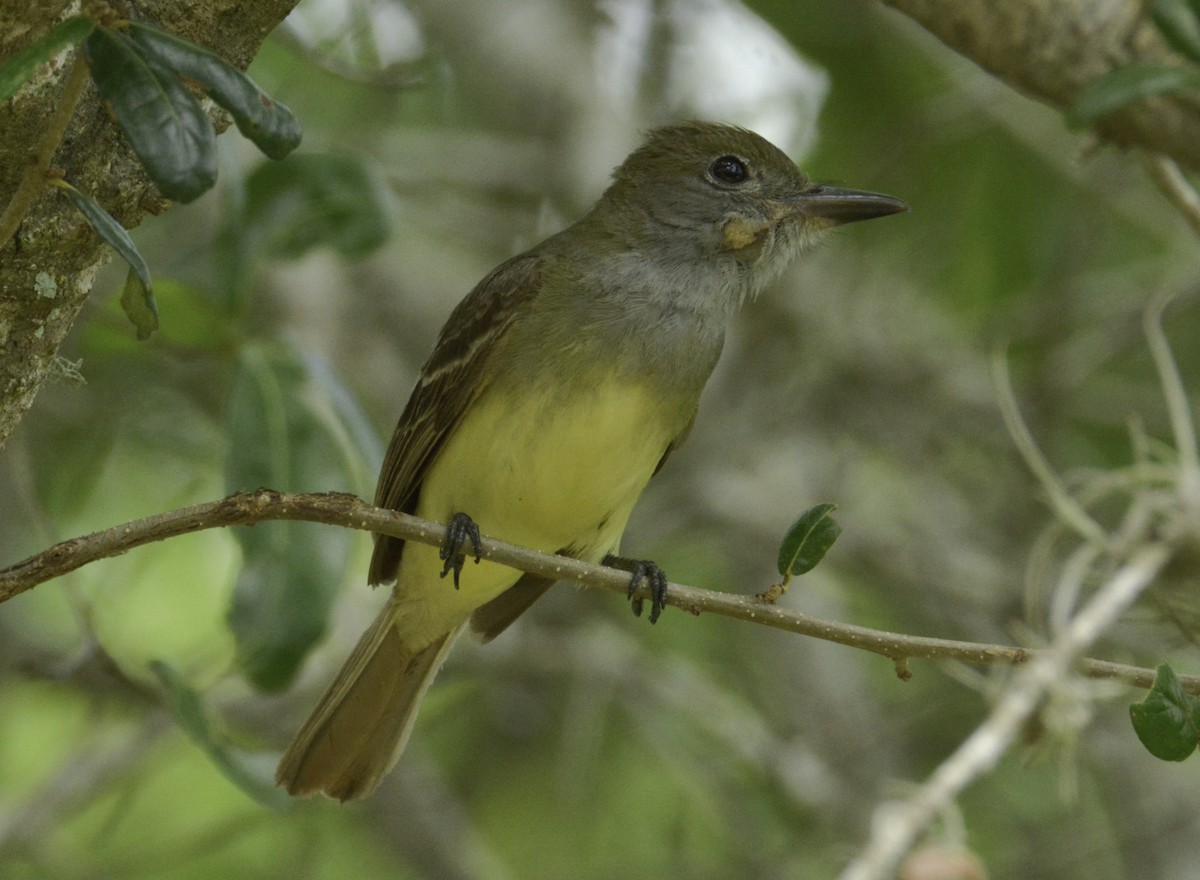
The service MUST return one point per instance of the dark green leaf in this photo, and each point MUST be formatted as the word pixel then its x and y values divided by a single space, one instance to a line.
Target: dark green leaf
pixel 188 708
pixel 808 540
pixel 1178 22
pixel 271 126
pixel 281 435
pixel 16 70
pixel 1166 720
pixel 313 200
pixel 137 301
pixel 161 120
pixel 1128 85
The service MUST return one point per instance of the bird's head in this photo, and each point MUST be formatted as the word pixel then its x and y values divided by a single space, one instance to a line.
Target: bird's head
pixel 726 195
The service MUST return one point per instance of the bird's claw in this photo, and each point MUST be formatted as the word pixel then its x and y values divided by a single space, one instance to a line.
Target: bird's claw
pixel 656 580
pixel 460 529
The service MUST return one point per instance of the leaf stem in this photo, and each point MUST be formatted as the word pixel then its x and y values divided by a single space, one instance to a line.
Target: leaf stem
pixel 37 172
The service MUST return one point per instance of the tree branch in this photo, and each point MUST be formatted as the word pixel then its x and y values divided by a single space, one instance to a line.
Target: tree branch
pixel 1052 49
pixel 248 508
pixel 897 825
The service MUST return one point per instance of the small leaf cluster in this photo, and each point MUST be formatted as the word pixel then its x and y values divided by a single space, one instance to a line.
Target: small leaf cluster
pixel 139 71
pixel 1179 23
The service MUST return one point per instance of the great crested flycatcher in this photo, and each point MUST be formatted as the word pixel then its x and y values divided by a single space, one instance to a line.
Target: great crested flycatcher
pixel 557 388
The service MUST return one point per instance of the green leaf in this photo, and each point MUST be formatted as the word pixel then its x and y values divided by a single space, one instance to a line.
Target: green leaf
pixel 1179 24
pixel 808 540
pixel 137 301
pixel 312 200
pixel 283 434
pixel 161 120
pixel 187 707
pixel 270 125
pixel 1128 85
pixel 1166 720
pixel 138 297
pixel 15 72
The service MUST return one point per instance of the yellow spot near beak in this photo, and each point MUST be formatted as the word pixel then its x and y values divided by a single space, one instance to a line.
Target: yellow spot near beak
pixel 739 233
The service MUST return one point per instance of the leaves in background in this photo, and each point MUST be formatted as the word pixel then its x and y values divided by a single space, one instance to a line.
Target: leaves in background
pixel 1167 721
pixel 188 709
pixel 807 541
pixel 311 200
pixel 161 120
pixel 1179 23
pixel 15 72
pixel 270 125
pixel 1128 85
pixel 285 432
pixel 192 318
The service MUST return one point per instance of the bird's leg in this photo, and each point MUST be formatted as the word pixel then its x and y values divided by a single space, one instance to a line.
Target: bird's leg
pixel 460 529
pixel 641 569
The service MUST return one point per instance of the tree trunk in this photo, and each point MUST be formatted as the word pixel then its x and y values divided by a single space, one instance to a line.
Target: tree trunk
pixel 47 268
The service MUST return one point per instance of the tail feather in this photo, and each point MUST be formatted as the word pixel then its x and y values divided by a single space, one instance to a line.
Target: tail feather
pixel 360 727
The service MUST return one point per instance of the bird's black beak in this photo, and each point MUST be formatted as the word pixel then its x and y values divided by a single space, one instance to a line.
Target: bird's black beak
pixel 844 205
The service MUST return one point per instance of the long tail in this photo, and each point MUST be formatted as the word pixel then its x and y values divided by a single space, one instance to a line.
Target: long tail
pixel 360 727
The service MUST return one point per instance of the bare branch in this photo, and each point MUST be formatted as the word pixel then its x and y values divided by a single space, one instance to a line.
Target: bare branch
pixel 896 826
pixel 248 508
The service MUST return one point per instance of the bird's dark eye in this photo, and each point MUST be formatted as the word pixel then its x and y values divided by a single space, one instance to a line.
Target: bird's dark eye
pixel 729 169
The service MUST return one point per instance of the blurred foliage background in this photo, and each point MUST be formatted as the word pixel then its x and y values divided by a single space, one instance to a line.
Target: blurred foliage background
pixel 297 302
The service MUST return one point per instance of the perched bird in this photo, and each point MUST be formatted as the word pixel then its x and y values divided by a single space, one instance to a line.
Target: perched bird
pixel 557 388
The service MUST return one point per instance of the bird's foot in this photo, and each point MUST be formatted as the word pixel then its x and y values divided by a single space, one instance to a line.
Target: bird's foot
pixel 642 570
pixel 460 529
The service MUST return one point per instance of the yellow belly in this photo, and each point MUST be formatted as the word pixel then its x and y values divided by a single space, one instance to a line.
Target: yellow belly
pixel 551 475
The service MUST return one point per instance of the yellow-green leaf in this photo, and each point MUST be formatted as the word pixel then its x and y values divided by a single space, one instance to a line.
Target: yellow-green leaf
pixel 137 301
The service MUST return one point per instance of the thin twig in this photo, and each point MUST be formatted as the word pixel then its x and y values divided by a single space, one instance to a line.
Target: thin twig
pixel 35 175
pixel 896 826
pixel 1068 509
pixel 248 508
pixel 1175 186
pixel 1179 408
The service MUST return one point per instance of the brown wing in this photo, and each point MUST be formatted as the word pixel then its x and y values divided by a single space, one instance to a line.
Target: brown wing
pixel 450 380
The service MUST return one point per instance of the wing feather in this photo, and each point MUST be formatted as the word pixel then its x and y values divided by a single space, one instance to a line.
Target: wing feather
pixel 451 379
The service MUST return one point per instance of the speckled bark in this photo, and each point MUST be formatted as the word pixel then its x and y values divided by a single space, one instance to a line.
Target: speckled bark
pixel 1051 49
pixel 36 315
